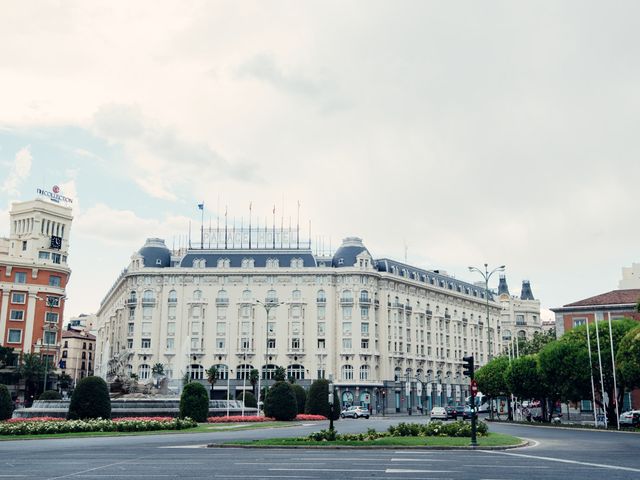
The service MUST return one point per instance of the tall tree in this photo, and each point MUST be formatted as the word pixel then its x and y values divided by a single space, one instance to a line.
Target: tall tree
pixel 523 377
pixel 212 377
pixel 31 370
pixel 254 376
pixel 628 359
pixel 491 379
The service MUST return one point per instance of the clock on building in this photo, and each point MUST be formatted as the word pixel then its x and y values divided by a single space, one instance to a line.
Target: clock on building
pixel 56 242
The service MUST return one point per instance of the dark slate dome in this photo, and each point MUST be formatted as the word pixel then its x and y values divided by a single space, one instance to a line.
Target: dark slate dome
pixel 155 253
pixel 346 255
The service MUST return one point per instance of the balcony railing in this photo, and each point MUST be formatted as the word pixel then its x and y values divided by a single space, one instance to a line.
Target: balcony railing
pixel 346 301
pixel 365 301
pixel 322 300
pixel 222 301
pixel 131 301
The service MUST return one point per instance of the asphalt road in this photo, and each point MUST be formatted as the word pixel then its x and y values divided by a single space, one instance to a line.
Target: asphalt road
pixel 555 453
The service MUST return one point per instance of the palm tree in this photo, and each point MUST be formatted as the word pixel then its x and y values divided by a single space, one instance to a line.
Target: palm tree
pixel 31 370
pixel 254 376
pixel 280 374
pixel 212 377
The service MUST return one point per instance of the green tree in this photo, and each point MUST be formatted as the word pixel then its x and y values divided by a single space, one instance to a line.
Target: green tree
pixel 8 366
pixel 301 397
pixel 6 405
pixel 523 377
pixel 628 359
pixel 318 400
pixel 280 374
pixel 578 336
pixel 212 377
pixel 194 402
pixel 248 398
pixel 64 381
pixel 31 369
pixel 281 402
pixel 536 343
pixel 90 399
pixel 254 376
pixel 491 379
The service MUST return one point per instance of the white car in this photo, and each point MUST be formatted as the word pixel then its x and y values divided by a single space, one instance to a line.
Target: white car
pixel 355 412
pixel 631 418
pixel 438 413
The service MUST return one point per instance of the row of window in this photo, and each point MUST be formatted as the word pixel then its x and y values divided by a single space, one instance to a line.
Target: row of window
pixel 18 316
pixel 248 263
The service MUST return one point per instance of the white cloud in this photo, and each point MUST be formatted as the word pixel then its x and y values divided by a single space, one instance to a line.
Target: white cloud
pixel 18 172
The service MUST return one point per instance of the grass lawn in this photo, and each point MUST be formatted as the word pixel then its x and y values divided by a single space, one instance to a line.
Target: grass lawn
pixel 201 428
pixel 493 440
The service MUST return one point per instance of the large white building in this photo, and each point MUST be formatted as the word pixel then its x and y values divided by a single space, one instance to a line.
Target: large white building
pixel 389 334
pixel 520 316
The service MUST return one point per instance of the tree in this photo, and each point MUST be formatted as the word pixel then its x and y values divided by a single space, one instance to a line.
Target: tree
pixel 523 377
pixel 280 374
pixel 194 402
pixel 628 359
pixel 50 395
pixel 248 398
pixel 536 343
pixel 90 399
pixel 212 377
pixel 8 366
pixel 301 397
pixel 318 400
pixel 491 379
pixel 254 376
pixel 31 370
pixel 281 402
pixel 6 405
pixel 578 336
pixel 64 381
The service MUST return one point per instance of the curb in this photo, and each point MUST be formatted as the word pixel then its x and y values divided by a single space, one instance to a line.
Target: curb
pixel 524 443
pixel 580 429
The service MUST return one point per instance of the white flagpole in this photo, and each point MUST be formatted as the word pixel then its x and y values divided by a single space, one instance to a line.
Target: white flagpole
pixel 595 316
pixel 613 364
pixel 593 388
pixel 228 388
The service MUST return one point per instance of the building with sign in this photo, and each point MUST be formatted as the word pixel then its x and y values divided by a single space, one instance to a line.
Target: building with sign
pixel 389 334
pixel 33 276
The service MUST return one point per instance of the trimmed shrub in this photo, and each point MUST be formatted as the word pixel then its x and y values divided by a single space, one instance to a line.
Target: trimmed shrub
pixel 281 402
pixel 248 399
pixel 90 399
pixel 6 405
pixel 318 400
pixel 50 395
pixel 194 402
pixel 301 396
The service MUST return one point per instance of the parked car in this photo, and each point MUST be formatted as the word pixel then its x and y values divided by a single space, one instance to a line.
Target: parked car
pixel 631 418
pixel 452 411
pixel 463 411
pixel 438 413
pixel 355 412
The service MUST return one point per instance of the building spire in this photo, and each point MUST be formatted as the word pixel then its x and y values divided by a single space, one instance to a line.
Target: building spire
pixel 526 293
pixel 503 288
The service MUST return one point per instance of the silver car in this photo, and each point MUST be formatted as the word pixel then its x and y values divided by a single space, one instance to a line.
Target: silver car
pixel 355 412
pixel 438 413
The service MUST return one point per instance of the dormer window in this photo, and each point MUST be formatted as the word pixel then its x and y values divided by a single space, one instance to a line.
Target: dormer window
pixel 224 263
pixel 272 263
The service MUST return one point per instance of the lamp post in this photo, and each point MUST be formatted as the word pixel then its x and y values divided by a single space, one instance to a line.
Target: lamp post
pixel 331 402
pixel 244 380
pixel 51 303
pixel 487 275
pixel 268 305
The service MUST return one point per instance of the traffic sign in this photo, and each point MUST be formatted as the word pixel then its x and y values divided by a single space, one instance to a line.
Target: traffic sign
pixel 474 388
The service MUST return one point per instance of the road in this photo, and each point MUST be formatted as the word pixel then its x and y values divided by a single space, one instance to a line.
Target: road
pixel 555 453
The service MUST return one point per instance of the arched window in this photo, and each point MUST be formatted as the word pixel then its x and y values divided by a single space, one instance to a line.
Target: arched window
pixel 148 296
pixel 420 374
pixel 197 295
pixel 196 371
pixel 364 296
pixel 522 334
pixel 199 263
pixel 364 372
pixel 224 263
pixel 321 297
pixel 296 372
pixel 223 371
pixel 272 296
pixel 268 371
pixel 173 297
pixel 347 296
pixel 143 371
pixel 273 263
pixel 247 263
pixel 129 369
pixel 297 263
pixel 397 373
pixel 222 298
pixel 296 295
pixel 133 297
pixel 507 335
pixel 347 372
pixel 246 294
pixel 243 371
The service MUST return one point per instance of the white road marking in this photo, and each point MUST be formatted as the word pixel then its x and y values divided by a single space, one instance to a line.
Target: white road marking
pixel 324 470
pixel 573 462
pixel 417 460
pixel 407 470
pixel 186 446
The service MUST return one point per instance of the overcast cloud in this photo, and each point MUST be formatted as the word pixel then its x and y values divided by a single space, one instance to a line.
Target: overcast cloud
pixel 469 132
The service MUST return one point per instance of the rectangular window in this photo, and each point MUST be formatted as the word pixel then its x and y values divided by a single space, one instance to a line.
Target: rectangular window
pixel 15 336
pixel 520 320
pixel 295 343
pixel 271 343
pixel 346 328
pixel 132 313
pixel 245 344
pixel 24 246
pixel 147 312
pixel 17 315
pixel 295 311
pixel 271 327
pixel 364 328
pixel 21 277
pixel 244 328
pixel 130 329
pixel 322 311
pixel 364 313
pixel 50 338
pixel 130 343
pixel 145 343
pixel 56 257
pixel 195 328
pixel 51 317
pixel 321 344
pixel 17 297
pixel 43 255
pixel 196 311
pixel 171 311
pixel 55 281
pixel 221 329
pixel 146 328
pixel 220 343
pixel 364 344
pixel 171 328
pixel 321 329
pixel 579 321
pixel 222 312
pixel 171 343
pixel 246 311
pixel 346 343
pixel 295 328
pixel 346 312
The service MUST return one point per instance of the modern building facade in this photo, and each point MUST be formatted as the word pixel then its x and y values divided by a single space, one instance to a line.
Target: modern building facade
pixel 520 316
pixel 390 335
pixel 33 276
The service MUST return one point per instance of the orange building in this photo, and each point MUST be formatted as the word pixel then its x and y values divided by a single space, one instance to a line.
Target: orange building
pixel 33 276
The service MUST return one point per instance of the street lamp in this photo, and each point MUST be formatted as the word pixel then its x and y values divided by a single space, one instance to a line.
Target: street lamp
pixel 47 328
pixel 268 304
pixel 487 275
pixel 331 400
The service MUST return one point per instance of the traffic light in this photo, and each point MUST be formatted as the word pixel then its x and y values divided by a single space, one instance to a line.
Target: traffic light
pixel 468 366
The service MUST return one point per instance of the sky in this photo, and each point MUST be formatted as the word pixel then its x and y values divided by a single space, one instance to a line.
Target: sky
pixel 447 133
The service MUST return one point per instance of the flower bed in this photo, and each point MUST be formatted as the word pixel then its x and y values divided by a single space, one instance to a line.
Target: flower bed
pixel 310 417
pixel 35 419
pixel 49 426
pixel 239 418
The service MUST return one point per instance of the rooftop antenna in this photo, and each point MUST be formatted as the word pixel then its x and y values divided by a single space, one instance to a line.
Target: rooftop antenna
pixel 298 227
pixel 250 203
